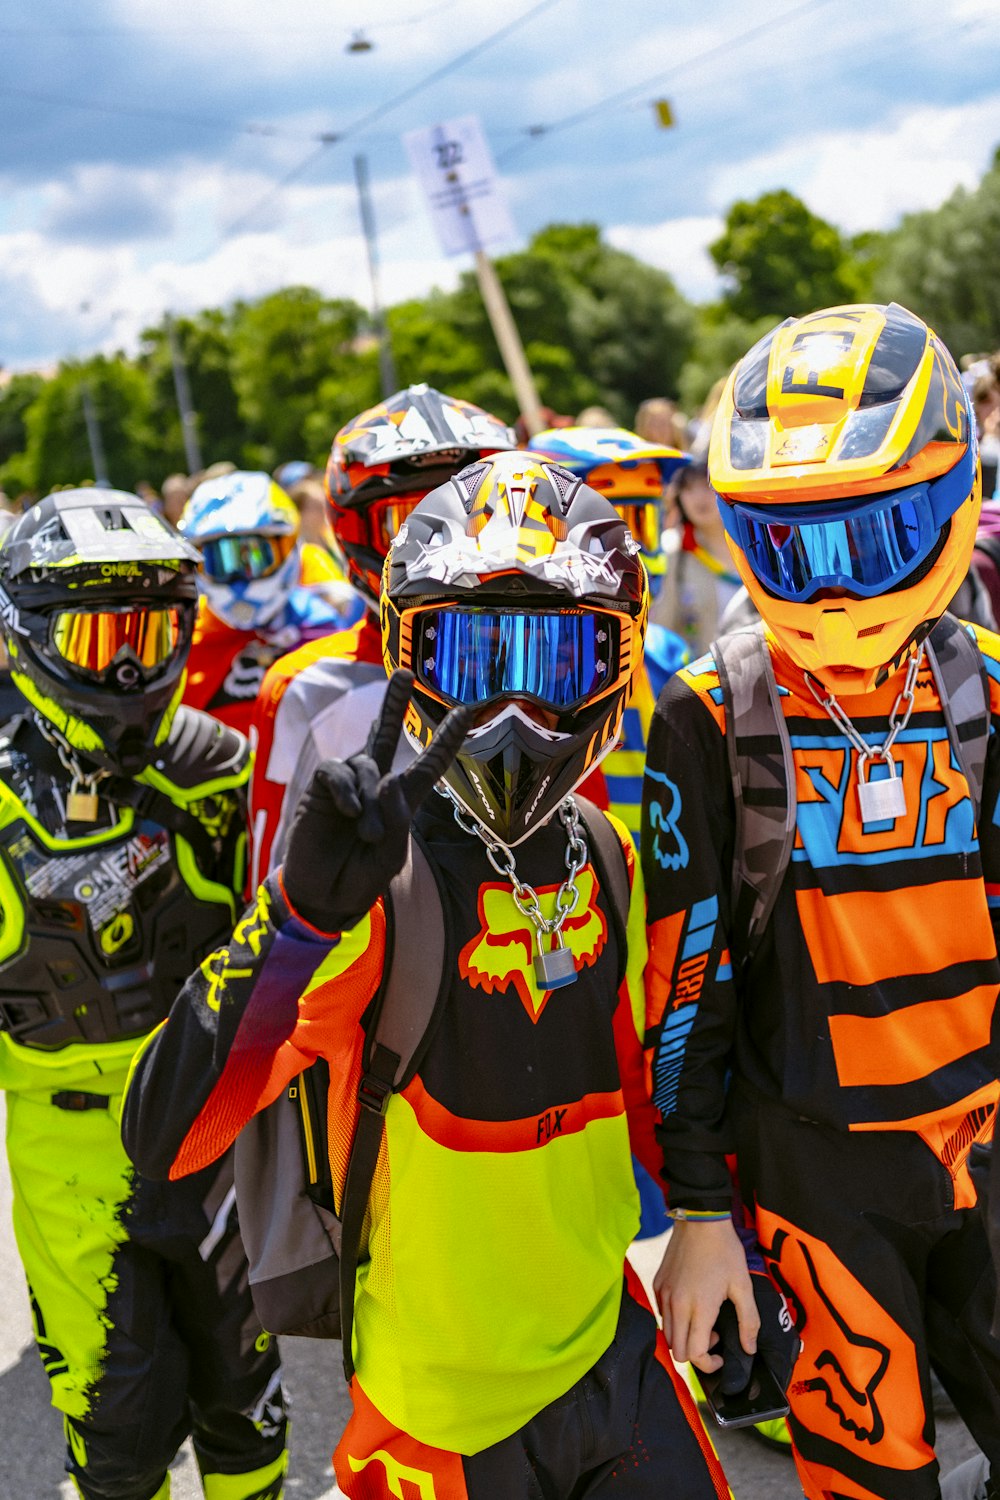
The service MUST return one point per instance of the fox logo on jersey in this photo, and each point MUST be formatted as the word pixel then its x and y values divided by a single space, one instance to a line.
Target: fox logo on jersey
pixel 503 950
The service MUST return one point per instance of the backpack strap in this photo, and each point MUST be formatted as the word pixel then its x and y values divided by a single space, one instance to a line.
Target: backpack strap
pixel 962 684
pixel 612 869
pixel 404 1009
pixel 763 778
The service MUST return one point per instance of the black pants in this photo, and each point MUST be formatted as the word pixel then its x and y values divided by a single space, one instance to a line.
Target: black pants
pixel 627 1429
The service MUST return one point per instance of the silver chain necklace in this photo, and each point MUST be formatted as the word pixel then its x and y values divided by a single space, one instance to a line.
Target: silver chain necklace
pixel 884 799
pixel 81 800
pixel 554 968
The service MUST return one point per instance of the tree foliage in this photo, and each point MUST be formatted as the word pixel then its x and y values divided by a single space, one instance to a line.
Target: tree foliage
pixel 58 452
pixel 274 379
pixel 939 264
pixel 782 260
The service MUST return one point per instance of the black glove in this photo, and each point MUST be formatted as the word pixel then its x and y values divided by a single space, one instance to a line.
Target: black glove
pixel 350 831
pixel 777 1341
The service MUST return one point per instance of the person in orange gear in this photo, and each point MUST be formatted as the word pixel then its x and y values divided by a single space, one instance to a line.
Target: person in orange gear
pixel 844 1043
pixel 318 701
pixel 263 591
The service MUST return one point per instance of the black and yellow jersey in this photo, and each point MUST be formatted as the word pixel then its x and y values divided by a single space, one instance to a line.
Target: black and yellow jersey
pixel 869 1004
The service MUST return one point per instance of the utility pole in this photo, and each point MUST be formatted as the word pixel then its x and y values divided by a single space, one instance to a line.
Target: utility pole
pixel 386 364
pixel 97 458
pixel 189 417
pixel 509 342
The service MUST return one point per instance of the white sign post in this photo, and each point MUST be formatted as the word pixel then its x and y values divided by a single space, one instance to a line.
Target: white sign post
pixel 456 171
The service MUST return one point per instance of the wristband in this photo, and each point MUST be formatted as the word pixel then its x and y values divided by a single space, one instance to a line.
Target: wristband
pixel 699 1215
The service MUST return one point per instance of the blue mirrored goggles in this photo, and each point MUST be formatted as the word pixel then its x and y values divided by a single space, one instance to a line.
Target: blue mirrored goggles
pixel 559 659
pixel 865 547
pixel 230 559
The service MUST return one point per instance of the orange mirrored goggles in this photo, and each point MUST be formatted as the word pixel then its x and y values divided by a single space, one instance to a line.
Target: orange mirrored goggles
pixel 91 641
pixel 645 521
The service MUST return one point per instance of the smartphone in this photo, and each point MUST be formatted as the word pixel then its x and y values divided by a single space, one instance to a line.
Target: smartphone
pixel 760 1400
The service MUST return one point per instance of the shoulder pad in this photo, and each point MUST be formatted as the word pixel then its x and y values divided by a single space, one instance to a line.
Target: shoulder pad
pixel 200 748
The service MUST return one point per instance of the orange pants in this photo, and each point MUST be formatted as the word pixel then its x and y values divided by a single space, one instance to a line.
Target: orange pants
pixel 885 1279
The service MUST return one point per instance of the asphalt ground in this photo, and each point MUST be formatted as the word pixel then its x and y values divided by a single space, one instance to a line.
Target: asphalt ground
pixel 31 1443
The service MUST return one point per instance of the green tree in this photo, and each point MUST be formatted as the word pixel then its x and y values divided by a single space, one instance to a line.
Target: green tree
pixel 57 451
pixel 205 347
pixel 781 260
pixel 15 398
pixel 284 347
pixel 938 263
pixel 721 338
pixel 597 326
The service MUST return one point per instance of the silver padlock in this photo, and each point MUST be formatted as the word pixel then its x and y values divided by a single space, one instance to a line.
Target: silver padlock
pixel 882 800
pixel 555 969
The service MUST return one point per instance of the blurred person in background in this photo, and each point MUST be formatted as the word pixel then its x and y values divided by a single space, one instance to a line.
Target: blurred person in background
pixel 700 576
pixel 263 591
pixel 595 416
pixel 986 405
pixel 309 498
pixel 659 420
pixel 122 826
pixel 174 493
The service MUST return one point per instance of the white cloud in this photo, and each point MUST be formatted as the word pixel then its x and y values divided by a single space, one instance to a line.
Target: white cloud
pixel 867 179
pixel 677 246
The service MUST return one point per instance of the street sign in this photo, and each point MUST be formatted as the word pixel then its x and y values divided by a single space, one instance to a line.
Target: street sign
pixel 459 179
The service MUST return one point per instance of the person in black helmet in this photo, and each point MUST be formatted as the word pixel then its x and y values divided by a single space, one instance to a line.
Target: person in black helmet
pixel 121 835
pixel 501 1348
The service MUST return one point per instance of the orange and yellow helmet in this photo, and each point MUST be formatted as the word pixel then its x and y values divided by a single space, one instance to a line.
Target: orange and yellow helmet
pixel 844 456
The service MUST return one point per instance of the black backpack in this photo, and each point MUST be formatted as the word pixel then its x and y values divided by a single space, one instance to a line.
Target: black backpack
pixel 763 774
pixel 303 1257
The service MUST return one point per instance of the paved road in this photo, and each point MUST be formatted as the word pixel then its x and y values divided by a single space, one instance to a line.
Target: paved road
pixel 31 1433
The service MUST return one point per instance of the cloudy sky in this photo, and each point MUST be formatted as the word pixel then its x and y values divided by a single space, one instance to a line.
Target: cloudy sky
pixel 176 154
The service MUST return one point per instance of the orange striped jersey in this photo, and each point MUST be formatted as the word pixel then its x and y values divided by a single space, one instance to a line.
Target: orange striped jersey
pixel 505 1199
pixel 869 1003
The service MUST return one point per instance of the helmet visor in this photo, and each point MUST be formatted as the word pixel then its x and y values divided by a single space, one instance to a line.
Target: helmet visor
pixel 232 559
pixel 559 659
pixel 865 547
pixel 90 641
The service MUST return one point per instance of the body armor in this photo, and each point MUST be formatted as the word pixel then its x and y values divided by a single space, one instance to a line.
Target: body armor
pixel 103 923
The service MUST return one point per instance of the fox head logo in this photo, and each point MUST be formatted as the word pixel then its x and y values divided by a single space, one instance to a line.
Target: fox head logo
pixel 503 951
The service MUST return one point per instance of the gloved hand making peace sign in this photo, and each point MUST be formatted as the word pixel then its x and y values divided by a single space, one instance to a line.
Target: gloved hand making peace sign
pixel 350 831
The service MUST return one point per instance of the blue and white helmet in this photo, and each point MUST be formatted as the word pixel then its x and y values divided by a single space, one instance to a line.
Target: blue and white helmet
pixel 245 527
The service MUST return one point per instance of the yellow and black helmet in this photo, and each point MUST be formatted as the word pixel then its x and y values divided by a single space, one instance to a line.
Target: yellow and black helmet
pixel 97 607
pixel 844 456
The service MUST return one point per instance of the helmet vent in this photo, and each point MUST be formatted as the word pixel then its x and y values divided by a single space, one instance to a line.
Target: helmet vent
pixel 870 630
pixel 467 483
pixel 564 483
pixel 805 635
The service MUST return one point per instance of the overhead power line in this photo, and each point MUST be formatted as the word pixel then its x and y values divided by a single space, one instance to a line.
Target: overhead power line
pixel 378 113
pixel 138 111
pixel 623 96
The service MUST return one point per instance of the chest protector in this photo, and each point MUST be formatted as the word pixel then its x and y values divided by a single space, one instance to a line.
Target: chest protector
pixel 99 932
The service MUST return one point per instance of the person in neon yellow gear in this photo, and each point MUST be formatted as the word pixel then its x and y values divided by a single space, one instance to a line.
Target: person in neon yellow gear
pixel 121 828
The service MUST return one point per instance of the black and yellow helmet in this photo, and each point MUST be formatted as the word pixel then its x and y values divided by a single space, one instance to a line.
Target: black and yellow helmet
pixel 97 606
pixel 518 588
